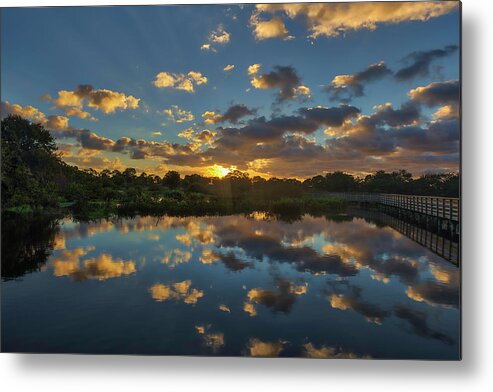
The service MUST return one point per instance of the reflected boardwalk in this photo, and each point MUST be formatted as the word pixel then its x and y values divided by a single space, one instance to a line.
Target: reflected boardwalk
pixel 441 212
pixel 442 246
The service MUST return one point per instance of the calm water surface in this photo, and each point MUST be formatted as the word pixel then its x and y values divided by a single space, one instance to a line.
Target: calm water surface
pixel 341 287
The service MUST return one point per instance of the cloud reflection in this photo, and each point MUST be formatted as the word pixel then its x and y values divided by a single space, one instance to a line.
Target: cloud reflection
pixel 101 267
pixel 180 291
pixel 258 348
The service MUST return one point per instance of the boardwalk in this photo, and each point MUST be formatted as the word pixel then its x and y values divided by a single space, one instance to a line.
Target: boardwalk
pixel 447 208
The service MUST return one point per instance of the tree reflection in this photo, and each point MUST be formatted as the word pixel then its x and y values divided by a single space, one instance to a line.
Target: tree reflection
pixel 27 242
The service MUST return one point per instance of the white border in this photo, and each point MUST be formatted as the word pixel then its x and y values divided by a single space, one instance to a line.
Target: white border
pixel 126 373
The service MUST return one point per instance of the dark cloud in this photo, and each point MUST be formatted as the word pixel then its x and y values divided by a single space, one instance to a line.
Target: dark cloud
pixel 437 93
pixel 138 149
pixel 440 136
pixel 435 294
pixel 235 112
pixel 284 78
pixel 408 113
pixel 308 121
pixel 304 258
pixel 138 154
pixel 330 117
pixel 345 87
pixel 87 139
pixel 421 61
pixel 280 301
pixel 372 313
pixel 232 262
pixel 419 324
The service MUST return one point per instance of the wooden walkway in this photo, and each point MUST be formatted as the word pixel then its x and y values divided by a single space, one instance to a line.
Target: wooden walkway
pixel 440 207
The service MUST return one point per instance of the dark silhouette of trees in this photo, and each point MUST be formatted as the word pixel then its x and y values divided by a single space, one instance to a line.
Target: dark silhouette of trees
pixel 30 166
pixel 172 179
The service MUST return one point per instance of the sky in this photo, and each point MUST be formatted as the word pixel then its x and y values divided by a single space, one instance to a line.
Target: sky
pixel 276 90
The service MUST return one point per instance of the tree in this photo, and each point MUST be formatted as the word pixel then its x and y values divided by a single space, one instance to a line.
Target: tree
pixel 172 179
pixel 31 167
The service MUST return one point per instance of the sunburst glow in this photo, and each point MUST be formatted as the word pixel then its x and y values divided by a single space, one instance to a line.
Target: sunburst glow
pixel 219 171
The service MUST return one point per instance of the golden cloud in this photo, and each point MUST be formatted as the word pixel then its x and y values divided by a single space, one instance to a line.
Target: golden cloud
pixel 104 100
pixel 101 268
pixel 216 37
pixel 224 308
pixel 211 117
pixel 176 114
pixel 259 348
pixel 332 19
pixel 208 256
pixel 326 352
pixel 228 67
pixel 250 309
pixel 179 81
pixel 177 291
pixel 253 69
pixel 77 112
pixel 53 122
pixel 265 29
pixel 175 257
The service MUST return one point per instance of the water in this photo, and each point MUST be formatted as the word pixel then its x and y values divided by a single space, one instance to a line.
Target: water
pixel 338 287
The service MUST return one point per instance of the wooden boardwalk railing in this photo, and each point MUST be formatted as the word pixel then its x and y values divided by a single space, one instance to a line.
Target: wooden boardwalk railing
pixel 440 207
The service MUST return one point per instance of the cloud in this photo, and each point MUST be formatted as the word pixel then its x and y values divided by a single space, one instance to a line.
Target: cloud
pixel 265 29
pixel 205 136
pixel 258 348
pixel 56 122
pixel 175 257
pixel 345 87
pixel 332 19
pixel 284 146
pixel 180 291
pixel 232 261
pixel 283 78
pixel 253 69
pixel 77 112
pixel 435 293
pixel 372 313
pixel 213 340
pixel 179 81
pixel 437 93
pixel 326 352
pixel 104 100
pixel 217 37
pixel 421 61
pixel 236 112
pixel 419 323
pixel 52 122
pixel 228 67
pixel 176 114
pixel 407 114
pixel 233 114
pixel 101 267
pixel 220 36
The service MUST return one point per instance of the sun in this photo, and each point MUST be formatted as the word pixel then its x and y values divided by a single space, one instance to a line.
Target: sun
pixel 218 171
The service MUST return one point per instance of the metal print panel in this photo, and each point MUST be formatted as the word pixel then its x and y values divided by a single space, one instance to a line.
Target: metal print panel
pixel 271 180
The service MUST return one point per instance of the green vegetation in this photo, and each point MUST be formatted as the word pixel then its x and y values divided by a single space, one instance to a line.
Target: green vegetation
pixel 34 178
